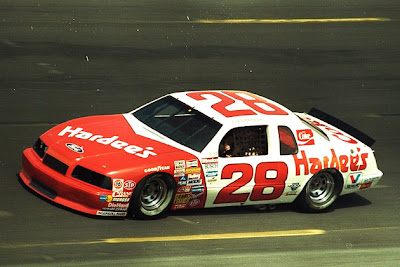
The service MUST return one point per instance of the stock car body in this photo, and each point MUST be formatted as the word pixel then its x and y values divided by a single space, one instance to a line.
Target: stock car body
pixel 199 149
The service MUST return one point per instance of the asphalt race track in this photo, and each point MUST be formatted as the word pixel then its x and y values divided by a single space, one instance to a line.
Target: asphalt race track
pixel 65 59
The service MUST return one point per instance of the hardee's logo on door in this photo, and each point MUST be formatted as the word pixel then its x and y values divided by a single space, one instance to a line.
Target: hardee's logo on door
pixel 305 137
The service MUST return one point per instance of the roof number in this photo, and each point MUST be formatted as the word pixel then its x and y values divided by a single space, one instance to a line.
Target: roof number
pixel 254 102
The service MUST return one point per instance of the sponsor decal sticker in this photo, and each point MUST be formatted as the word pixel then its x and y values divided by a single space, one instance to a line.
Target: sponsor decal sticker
pixel 118 205
pixel 210 174
pixel 197 195
pixel 198 188
pixel 367 180
pixel 75 148
pixel 365 185
pixel 195 182
pixel 355 177
pixel 110 213
pixel 115 209
pixel 193 170
pixel 211 166
pixel 293 189
pixel 305 137
pixel 118 184
pixel 179 164
pixel 182 198
pixel 121 194
pixel 109 141
pixel 120 199
pixel 353 180
pixel 343 163
pixel 211 179
pixel 194 176
pixel 294 186
pixel 192 163
pixel 157 169
pixel 179 206
pixel 183 189
pixel 194 202
pixel 106 198
pixel 182 180
pixel 129 185
pixel 209 160
pixel 179 173
pixel 338 134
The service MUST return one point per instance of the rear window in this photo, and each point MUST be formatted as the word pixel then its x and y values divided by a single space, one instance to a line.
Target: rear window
pixel 179 122
pixel 287 143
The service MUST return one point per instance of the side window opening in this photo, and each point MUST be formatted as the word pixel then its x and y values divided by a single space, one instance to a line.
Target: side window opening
pixel 244 141
pixel 288 145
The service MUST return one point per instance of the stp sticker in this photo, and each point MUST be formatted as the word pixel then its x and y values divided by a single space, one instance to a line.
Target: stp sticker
pixel 305 137
pixel 129 185
pixel 194 202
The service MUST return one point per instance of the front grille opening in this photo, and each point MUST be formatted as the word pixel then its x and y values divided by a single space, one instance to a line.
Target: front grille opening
pixel 40 148
pixel 92 177
pixel 55 164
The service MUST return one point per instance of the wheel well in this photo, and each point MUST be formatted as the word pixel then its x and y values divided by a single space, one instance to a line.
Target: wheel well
pixel 159 173
pixel 338 177
pixel 336 174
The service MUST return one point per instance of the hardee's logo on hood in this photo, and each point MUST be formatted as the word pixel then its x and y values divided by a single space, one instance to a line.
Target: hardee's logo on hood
pixel 111 141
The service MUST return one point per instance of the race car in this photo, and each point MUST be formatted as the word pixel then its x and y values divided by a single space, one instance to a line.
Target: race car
pixel 200 149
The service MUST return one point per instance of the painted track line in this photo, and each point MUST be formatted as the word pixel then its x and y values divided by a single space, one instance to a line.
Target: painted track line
pixel 180 238
pixel 298 20
pixel 200 237
pixel 216 236
pixel 215 21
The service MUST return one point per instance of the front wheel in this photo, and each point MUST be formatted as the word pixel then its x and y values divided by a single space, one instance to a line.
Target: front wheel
pixel 320 192
pixel 153 197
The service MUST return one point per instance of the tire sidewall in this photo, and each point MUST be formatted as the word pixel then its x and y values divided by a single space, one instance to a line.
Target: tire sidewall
pixel 305 202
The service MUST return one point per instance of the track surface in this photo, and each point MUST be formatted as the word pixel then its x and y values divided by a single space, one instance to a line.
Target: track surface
pixel 60 61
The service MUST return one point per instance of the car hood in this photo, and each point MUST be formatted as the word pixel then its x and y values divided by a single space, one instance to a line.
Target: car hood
pixel 107 144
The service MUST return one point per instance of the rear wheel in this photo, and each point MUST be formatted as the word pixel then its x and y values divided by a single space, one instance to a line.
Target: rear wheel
pixel 320 192
pixel 153 197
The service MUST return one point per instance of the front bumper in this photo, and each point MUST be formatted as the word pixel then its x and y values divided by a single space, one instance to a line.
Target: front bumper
pixel 64 189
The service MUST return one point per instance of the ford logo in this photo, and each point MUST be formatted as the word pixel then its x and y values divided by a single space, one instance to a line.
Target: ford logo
pixel 75 148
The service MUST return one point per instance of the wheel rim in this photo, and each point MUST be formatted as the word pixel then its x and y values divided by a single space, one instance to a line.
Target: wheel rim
pixel 321 188
pixel 154 194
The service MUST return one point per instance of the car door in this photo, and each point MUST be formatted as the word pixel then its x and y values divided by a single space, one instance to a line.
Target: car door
pixel 248 172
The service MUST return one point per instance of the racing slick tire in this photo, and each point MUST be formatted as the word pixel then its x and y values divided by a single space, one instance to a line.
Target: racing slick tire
pixel 320 192
pixel 152 197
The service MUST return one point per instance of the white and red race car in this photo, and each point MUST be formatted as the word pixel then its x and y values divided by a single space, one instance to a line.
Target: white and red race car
pixel 199 149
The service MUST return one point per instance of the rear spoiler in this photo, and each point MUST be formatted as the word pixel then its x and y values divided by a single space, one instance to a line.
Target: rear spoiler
pixel 342 125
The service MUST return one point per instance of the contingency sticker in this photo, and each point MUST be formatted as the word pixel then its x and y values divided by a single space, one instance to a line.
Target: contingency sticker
pixel 118 185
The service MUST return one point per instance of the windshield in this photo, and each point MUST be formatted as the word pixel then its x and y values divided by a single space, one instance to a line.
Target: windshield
pixel 179 122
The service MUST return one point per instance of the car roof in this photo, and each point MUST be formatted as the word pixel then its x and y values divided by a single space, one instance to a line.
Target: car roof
pixel 208 98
